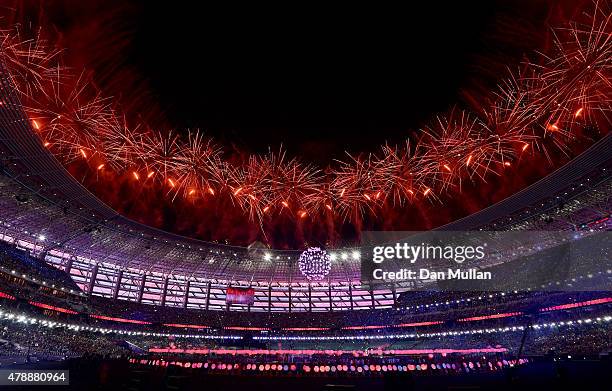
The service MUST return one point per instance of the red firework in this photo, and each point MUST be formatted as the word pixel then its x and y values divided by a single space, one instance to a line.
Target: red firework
pixel 545 105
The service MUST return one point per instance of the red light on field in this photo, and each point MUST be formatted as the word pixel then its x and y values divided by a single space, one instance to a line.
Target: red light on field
pixel 192 192
pixel 101 166
pixel 430 323
pixel 121 320
pixel 83 153
pixel 602 300
pixel 136 176
pixel 150 174
pixel 190 326
pixel 285 204
pixel 494 316
pixel 171 182
pixel 238 190
pixel 46 144
pixel 469 160
pixel 447 167
pixel 427 191
pixel 552 127
pixel 211 191
pixel 267 208
pixel 35 124
pixel 328 206
pixel 52 308
pixel 367 197
pixel 6 296
pixel 303 214
pixel 507 164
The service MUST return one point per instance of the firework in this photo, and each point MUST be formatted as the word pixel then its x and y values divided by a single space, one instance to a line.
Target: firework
pixel 249 186
pixel 547 103
pixel 573 83
pixel 196 165
pixel 357 186
pixel 30 61
pixel 402 173
pixel 70 117
pixel 295 185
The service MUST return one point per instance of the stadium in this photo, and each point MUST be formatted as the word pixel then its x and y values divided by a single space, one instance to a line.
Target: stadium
pixel 91 298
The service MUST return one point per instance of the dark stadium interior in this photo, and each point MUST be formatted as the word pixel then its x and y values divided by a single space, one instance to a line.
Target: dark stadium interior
pixel 192 196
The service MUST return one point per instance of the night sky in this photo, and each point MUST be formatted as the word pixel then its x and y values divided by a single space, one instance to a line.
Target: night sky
pixel 319 81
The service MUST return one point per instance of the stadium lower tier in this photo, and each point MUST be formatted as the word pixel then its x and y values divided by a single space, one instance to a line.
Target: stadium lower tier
pixel 46 338
pixel 468 337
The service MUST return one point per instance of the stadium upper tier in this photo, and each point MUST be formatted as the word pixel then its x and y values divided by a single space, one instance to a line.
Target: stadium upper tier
pixel 44 210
